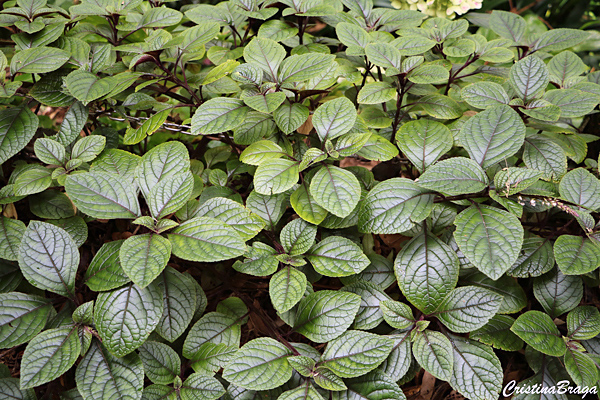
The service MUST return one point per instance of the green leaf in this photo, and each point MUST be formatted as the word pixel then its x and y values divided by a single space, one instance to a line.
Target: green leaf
pixel 454 176
pixel 334 118
pixel 290 117
pixel 260 260
pixel 159 17
pixel 102 376
pixel 576 255
pixel 218 115
pixel 369 314
pixel 147 128
pixel 49 355
pixel 583 323
pixel 23 316
pixel 304 392
pixel 261 151
pixel 103 195
pixel 17 127
pixel 11 388
pixel 468 308
pixel 545 155
pixel 529 77
pixel 427 270
pixel 86 149
pixel 49 151
pixel 326 314
pixel 305 205
pixel 266 54
pixel 214 335
pixel 34 180
pixel 429 74
pixel 579 186
pixel 536 258
pixel 244 222
pixel 337 256
pixel 413 45
pixel 543 110
pixel 265 103
pixel 424 141
pixel 161 362
pixel 355 353
pixel 286 288
pixel 117 162
pixel 538 330
pixel 199 385
pixel 336 190
pixel 298 68
pixel 376 93
pixel 581 368
pixel 125 317
pixel 143 257
pixel 86 87
pixel 352 35
pixel 39 60
pixel 432 350
pixel 374 385
pixel 383 55
pixel 169 195
pixel 51 204
pixel 397 315
pixel 440 106
pixel 276 176
pixel 477 372
pixel 508 25
pixel 394 206
pixel 162 163
pixel 490 238
pixel 512 180
pixel 297 237
pixel 572 102
pixel 559 39
pixel 104 271
pixel 179 301
pixel 378 148
pixel 484 94
pixel 11 233
pixel 514 297
pixel 497 334
pixel 48 258
pixel 493 135
pixel 558 293
pixel 205 239
pixel 261 364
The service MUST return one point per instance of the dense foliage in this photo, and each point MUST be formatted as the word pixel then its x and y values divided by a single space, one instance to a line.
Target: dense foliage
pixel 296 200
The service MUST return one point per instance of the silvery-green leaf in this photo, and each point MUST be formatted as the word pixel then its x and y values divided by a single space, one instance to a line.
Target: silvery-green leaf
pixel 218 115
pixel 143 257
pixel 536 258
pixel 302 67
pixel 11 388
pixel 87 87
pixel 325 315
pixel 355 353
pixel 427 270
pixel 161 163
pixel 579 186
pixel 583 323
pixel 102 376
pixel 169 195
pixel 559 39
pixel 334 118
pixel 11 233
pixel 86 149
pixel 260 364
pixel 529 77
pixel 297 236
pixel 286 288
pixel 374 385
pixel 198 385
pixel 369 313
pixel 48 258
pixel 161 362
pixel 49 355
pixel 336 190
pixel 213 328
pixel 17 127
pixel 260 151
pixel 290 117
pixel 514 298
pixel 490 238
pixel 545 155
pixel 38 60
pixel 103 195
pixel 235 215
pixel 266 54
pixel 508 25
pixel 206 239
pixel 576 255
pixel 49 151
pixel 259 260
pixel 376 93
pixel 468 308
pixel 477 371
pixel 117 162
pixel 572 102
pixel 538 330
pixel 337 256
pixel 125 317
pixel 497 334
pixel 22 317
pixel 582 368
pixel 394 206
pixel 424 141
pixel 493 135
pixel 105 272
pixel 558 293
pixel 484 94
pixel 276 176
pixel 433 352
pixel 454 176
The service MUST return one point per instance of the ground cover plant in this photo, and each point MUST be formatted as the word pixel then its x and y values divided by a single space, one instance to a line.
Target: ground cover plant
pixel 295 200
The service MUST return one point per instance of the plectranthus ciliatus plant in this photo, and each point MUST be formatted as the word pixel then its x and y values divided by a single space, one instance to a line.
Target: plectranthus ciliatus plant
pixel 297 200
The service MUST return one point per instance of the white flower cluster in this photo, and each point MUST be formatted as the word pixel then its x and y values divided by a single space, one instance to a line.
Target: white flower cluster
pixel 438 8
